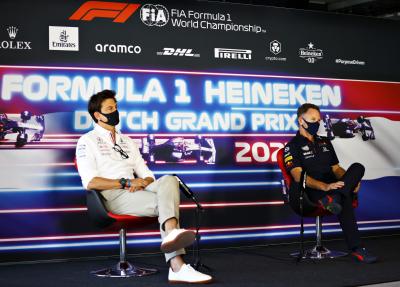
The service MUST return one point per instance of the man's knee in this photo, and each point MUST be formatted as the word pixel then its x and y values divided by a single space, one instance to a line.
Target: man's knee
pixel 357 168
pixel 169 184
pixel 169 180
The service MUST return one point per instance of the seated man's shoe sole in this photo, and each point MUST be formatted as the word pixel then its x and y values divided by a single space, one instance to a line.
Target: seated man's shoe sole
pixel 188 282
pixel 188 275
pixel 181 240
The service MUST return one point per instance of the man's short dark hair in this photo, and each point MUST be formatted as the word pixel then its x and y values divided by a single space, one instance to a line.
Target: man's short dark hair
pixel 305 107
pixel 94 104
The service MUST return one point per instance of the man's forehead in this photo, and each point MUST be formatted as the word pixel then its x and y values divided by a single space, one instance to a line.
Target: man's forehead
pixel 312 113
pixel 108 102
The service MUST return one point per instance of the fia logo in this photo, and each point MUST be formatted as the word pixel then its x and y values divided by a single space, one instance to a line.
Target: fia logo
pixel 154 15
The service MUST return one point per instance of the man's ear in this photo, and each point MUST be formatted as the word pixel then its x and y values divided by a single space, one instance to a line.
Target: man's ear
pixel 99 116
pixel 301 121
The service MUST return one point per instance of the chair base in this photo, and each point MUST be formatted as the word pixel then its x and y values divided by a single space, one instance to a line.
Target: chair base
pixel 320 252
pixel 124 270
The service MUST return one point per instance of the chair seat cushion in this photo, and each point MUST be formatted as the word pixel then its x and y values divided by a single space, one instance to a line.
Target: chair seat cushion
pixel 130 221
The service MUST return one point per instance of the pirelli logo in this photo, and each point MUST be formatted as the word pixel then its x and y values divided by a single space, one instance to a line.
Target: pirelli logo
pixel 118 11
pixel 235 54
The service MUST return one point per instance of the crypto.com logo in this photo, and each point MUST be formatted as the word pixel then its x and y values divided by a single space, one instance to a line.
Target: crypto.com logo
pixel 118 11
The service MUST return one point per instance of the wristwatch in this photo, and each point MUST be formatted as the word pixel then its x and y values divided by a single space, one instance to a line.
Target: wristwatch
pixel 123 182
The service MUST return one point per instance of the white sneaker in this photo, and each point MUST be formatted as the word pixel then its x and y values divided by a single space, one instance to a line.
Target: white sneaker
pixel 187 274
pixel 177 239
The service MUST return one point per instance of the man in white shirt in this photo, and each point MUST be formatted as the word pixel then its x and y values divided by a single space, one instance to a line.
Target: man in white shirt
pixel 107 161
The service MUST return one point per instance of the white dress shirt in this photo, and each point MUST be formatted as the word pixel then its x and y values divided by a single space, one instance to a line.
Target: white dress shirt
pixel 95 157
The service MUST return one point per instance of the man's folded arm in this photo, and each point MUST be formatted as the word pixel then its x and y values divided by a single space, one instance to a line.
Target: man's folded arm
pixel 338 171
pixel 101 183
pixel 87 168
pixel 310 182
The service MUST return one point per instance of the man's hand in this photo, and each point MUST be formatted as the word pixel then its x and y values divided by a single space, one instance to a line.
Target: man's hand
pixel 357 187
pixel 137 184
pixel 148 180
pixel 334 185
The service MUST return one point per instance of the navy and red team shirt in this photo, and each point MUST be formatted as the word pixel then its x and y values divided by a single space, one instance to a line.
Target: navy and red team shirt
pixel 316 158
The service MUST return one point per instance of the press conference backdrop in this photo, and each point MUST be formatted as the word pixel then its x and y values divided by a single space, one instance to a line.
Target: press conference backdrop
pixel 208 91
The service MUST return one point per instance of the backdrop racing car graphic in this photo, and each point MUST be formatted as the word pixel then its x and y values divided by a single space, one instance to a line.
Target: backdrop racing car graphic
pixel 179 149
pixel 348 128
pixel 21 129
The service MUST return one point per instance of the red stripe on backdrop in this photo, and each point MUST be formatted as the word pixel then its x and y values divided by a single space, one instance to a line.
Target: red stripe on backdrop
pixel 182 205
pixel 364 95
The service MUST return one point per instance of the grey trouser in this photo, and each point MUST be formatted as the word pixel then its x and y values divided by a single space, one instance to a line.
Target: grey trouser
pixel 160 198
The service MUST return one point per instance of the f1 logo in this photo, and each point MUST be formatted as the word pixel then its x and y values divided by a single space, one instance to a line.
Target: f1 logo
pixel 118 11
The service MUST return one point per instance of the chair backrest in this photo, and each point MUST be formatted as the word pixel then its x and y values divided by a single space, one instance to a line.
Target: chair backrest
pixel 281 163
pixel 310 209
pixel 97 210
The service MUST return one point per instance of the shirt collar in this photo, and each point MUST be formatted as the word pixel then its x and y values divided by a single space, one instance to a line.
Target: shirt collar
pixel 106 133
pixel 102 130
pixel 302 139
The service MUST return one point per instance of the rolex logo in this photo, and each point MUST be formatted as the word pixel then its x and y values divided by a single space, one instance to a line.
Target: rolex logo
pixel 12 32
pixel 14 45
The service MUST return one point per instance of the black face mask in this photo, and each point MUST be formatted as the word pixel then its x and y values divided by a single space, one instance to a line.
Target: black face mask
pixel 312 128
pixel 112 118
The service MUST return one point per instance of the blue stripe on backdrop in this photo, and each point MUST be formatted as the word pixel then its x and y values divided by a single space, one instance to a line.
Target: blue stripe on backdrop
pixel 194 185
pixel 207 237
pixel 165 172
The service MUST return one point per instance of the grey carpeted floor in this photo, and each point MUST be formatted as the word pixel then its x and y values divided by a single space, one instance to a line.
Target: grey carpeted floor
pixel 251 266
